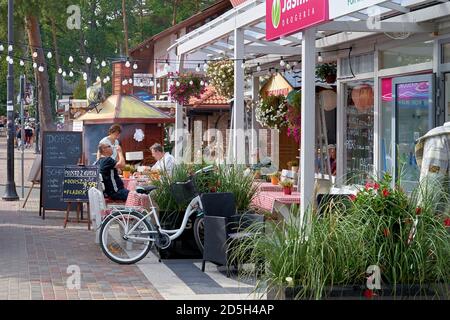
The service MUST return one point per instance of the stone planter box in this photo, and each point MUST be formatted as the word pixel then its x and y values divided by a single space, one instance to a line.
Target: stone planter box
pixel 356 292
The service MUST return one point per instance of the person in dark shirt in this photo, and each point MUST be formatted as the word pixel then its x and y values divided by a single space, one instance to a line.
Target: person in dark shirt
pixel 114 187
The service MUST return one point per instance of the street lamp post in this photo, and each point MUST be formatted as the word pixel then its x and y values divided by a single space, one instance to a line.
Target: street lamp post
pixel 10 189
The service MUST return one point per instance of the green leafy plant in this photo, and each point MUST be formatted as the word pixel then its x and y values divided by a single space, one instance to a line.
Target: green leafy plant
pixel 287 183
pixel 235 179
pixel 325 70
pixel 381 226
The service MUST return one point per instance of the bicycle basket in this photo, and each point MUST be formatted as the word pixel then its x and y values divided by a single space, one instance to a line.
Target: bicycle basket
pixel 183 191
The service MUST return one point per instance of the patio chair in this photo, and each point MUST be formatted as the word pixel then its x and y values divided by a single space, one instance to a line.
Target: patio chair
pixel 97 206
pixel 222 225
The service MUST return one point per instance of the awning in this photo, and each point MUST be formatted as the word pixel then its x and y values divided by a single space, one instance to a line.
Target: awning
pixel 125 109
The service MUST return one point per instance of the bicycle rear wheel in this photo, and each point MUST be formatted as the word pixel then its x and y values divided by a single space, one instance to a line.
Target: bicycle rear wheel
pixel 199 232
pixel 114 237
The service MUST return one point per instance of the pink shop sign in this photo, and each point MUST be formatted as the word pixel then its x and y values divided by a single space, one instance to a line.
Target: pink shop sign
pixel 284 17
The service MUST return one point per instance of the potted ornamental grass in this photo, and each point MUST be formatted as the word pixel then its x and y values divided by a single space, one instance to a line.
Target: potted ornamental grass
pixel 287 185
pixel 378 244
pixel 275 178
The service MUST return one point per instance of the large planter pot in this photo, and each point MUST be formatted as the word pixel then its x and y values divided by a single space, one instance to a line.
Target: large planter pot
pixel 287 190
pixel 184 247
pixel 126 174
pixel 360 292
pixel 331 78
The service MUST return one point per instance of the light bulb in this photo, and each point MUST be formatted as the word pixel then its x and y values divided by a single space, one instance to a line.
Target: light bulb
pixel 10 48
pixel 41 69
pixel 21 63
pixel 49 55
pixel 34 65
pixel 64 74
pixel 198 68
pixel 98 79
pixel 11 61
pixel 124 82
pixel 127 64
pixel 191 82
pixel 7 58
pixel 70 59
pixel 152 83
pixel 288 66
pixel 258 68
pixel 60 71
pixel 206 84
pixel 107 77
pixel 158 85
pixel 130 81
pixel 35 54
pixel 202 83
pixel 135 66
pixel 71 74
pixel 141 84
pixel 319 58
pixel 85 76
pixel 88 60
pixel 205 67
pixel 103 63
pixel 282 63
pixel 178 84
pixel 2 48
pixel 243 64
pixel 105 81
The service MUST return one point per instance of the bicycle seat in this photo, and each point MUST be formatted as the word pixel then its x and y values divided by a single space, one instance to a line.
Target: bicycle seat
pixel 146 189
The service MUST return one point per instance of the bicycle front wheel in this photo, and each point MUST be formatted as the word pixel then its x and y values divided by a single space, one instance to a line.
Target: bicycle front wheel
pixel 199 233
pixel 121 246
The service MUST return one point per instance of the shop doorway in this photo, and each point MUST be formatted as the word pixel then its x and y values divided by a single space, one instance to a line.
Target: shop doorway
pixel 413 115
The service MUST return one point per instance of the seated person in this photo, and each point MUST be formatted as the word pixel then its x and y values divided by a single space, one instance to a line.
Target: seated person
pixel 164 161
pixel 114 187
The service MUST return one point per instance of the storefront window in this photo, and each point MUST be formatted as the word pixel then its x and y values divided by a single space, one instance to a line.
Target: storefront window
pixel 359 64
pixel 386 125
pixel 406 55
pixel 446 52
pixel 359 132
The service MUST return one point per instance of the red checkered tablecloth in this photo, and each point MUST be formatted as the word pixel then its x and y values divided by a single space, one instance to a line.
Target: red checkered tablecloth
pixel 268 186
pixel 266 199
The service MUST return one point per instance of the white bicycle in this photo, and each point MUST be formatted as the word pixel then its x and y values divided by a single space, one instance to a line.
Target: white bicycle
pixel 127 235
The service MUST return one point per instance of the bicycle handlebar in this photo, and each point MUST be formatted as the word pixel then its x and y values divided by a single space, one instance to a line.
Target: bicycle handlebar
pixel 205 169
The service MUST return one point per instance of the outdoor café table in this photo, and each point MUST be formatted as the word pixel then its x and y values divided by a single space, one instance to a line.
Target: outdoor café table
pixel 132 183
pixel 273 201
pixel 268 186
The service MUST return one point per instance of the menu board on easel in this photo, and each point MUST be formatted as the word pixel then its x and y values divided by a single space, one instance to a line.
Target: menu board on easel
pixel 59 149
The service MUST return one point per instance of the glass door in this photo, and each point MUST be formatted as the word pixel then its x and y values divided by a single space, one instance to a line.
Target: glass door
pixel 413 116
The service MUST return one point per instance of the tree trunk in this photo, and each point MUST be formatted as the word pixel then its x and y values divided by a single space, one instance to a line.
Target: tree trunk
pixel 59 80
pixel 125 26
pixel 174 13
pixel 34 40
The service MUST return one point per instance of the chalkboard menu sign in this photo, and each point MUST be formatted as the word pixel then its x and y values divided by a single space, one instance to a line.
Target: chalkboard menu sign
pixel 59 149
pixel 77 182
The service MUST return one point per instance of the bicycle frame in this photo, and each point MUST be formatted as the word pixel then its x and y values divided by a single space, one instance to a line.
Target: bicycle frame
pixel 193 206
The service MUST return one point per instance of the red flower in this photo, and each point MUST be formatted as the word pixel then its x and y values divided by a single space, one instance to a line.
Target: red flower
pixel 352 197
pixel 418 210
pixel 447 222
pixel 386 192
pixel 369 186
pixel 368 293
pixel 376 186
pixel 386 232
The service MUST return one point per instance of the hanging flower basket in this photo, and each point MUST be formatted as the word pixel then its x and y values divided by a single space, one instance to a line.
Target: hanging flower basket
pixel 221 75
pixel 327 72
pixel 186 86
pixel 272 111
pixel 293 115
